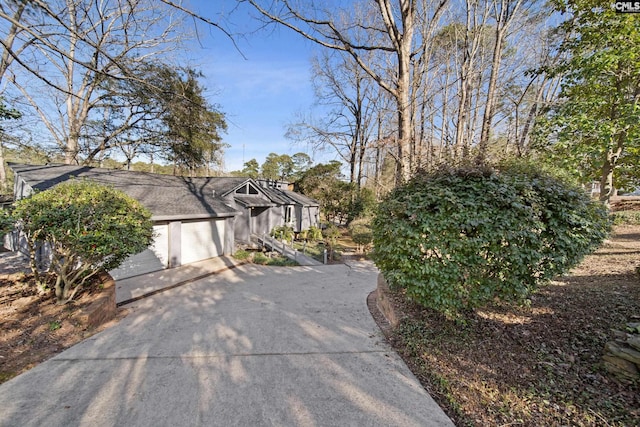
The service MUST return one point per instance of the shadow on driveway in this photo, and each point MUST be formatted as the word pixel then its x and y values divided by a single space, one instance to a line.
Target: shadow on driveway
pixel 249 346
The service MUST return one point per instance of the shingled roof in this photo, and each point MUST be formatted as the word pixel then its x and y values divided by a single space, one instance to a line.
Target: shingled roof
pixel 167 197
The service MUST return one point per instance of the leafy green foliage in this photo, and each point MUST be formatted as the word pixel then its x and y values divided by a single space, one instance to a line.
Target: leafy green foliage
pixel 311 234
pixel 193 125
pixel 283 232
pixel 242 255
pixel 323 183
pixel 314 233
pixel 7 222
pixel 626 218
pixel 360 231
pixel 277 167
pixel 363 205
pixel 594 131
pixel 251 169
pixel 88 227
pixel 7 113
pixel 274 261
pixel 457 239
pixel 54 325
pixel 339 200
pixel 282 167
pixel 331 233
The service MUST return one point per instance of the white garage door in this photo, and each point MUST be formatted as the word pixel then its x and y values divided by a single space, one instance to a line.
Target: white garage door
pixel 152 259
pixel 201 240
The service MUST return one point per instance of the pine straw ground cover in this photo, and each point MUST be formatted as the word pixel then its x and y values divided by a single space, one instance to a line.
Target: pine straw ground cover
pixel 33 327
pixel 538 365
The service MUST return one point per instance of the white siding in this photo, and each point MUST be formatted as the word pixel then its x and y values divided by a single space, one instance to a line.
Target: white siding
pixel 152 259
pixel 160 246
pixel 202 240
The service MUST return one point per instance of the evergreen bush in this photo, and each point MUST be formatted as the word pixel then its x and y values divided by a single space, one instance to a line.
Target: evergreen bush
pixel 458 239
pixel 360 231
pixel 88 228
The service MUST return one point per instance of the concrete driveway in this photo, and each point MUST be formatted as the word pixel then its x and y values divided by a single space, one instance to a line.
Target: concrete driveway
pixel 252 346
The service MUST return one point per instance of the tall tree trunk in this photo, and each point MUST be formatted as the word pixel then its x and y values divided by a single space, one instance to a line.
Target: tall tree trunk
pixel 403 95
pixel 608 167
pixel 3 172
pixel 505 10
pixel 489 109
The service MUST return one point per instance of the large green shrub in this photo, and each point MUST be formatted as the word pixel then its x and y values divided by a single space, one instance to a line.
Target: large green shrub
pixel 457 239
pixel 283 232
pixel 88 228
pixel 314 233
pixel 361 234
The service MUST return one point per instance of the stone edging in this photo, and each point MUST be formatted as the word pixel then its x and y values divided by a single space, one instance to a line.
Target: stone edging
pixel 383 302
pixel 103 309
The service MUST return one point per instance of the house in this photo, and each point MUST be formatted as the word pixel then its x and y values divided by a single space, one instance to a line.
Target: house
pixel 296 210
pixel 193 218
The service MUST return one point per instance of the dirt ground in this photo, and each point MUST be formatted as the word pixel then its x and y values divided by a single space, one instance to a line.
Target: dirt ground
pixel 509 365
pixel 538 365
pixel 34 327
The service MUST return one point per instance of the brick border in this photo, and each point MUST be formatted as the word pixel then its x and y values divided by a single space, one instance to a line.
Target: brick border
pixel 103 309
pixel 384 303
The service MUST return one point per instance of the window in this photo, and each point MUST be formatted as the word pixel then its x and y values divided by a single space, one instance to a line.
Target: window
pixel 247 189
pixel 288 214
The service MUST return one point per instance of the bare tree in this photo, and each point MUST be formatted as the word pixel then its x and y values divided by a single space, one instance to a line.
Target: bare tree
pixel 348 97
pixel 395 22
pixel 75 47
pixel 8 42
pixel 504 11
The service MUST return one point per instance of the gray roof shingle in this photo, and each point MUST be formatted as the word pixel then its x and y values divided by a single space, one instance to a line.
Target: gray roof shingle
pixel 167 197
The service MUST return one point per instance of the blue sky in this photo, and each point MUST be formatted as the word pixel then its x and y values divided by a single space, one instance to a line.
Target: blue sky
pixel 259 93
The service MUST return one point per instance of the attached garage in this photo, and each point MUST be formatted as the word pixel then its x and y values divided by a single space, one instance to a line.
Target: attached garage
pixel 177 243
pixel 191 223
pixel 155 258
pixel 194 218
pixel 201 240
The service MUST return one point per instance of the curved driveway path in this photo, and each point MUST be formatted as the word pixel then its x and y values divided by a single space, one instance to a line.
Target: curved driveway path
pixel 252 346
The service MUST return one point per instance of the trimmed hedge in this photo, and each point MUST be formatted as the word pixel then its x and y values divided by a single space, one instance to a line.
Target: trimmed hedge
pixel 458 239
pixel 88 227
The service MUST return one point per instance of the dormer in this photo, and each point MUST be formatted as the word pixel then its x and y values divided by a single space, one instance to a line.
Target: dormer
pixel 247 188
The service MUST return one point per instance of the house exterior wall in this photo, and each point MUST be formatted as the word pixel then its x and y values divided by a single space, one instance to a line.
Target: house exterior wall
pixel 241 226
pixel 276 217
pixel 229 236
pixel 20 188
pixel 253 221
pixel 260 223
pixel 307 216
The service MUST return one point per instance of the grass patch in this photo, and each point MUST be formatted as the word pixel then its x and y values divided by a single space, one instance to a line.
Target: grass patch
pixel 275 260
pixel 242 255
pixel 311 249
pixel 626 217
pixel 260 258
